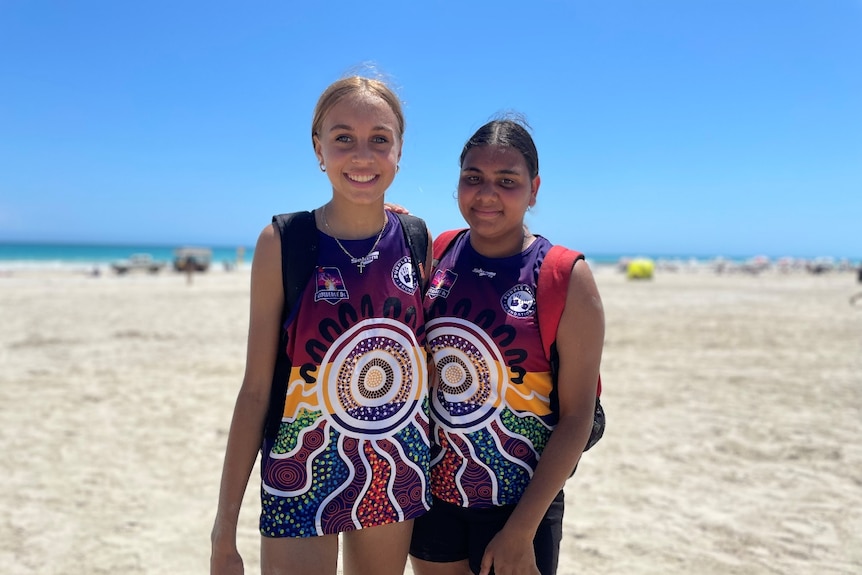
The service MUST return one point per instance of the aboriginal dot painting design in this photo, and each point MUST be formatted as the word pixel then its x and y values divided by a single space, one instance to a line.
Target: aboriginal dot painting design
pixel 487 450
pixel 356 453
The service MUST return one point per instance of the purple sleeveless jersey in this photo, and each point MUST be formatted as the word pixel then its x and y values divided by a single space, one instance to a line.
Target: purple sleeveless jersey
pixel 490 401
pixel 352 450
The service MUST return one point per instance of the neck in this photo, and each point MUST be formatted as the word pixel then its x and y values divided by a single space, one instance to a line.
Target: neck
pixel 351 222
pixel 502 247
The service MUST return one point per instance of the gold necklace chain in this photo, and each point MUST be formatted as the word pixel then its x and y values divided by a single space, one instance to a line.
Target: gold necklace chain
pixel 364 260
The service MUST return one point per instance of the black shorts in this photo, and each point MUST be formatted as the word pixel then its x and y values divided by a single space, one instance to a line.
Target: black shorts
pixel 450 533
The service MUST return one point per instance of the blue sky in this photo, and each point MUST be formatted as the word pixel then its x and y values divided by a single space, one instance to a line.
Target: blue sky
pixel 701 127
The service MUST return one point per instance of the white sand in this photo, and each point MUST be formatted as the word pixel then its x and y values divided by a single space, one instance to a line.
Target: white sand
pixel 734 440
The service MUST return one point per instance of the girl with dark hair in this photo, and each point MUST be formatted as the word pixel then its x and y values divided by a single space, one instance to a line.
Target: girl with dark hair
pixel 505 433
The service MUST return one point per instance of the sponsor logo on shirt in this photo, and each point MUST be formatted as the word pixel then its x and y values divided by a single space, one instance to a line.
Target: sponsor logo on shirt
pixel 519 301
pixel 403 276
pixel 441 283
pixel 330 285
pixel 483 274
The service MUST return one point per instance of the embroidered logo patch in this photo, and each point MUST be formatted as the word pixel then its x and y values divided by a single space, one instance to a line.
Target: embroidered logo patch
pixel 441 283
pixel 519 301
pixel 330 285
pixel 403 276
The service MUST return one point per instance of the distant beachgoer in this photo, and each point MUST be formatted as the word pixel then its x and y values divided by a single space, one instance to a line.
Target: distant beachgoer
pixel 351 454
pixel 501 449
pixel 857 297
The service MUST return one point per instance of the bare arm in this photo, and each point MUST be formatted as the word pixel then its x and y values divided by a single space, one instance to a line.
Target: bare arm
pixel 246 429
pixel 580 338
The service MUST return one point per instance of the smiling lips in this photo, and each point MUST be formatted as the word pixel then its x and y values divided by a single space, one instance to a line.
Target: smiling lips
pixel 485 212
pixel 361 178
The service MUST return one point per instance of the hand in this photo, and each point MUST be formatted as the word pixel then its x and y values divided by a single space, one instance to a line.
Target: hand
pixel 228 563
pixel 395 208
pixel 509 554
pixel 224 558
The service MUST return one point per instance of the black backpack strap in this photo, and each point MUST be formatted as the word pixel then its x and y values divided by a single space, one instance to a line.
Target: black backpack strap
pixel 416 234
pixel 298 233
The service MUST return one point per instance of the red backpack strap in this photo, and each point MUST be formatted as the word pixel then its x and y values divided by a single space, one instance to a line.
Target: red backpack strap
pixel 551 291
pixel 442 243
pixel 553 285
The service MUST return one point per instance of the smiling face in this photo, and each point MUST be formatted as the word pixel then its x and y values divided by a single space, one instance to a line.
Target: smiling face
pixel 359 143
pixel 494 192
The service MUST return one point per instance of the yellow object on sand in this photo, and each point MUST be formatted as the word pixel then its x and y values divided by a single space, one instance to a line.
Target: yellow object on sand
pixel 640 269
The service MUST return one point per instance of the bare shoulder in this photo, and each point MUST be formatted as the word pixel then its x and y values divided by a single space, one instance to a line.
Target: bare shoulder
pixel 268 247
pixel 583 290
pixel 266 265
pixel 268 238
pixel 580 335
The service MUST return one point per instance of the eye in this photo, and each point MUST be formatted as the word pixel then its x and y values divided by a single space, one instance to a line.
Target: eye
pixel 470 179
pixel 380 140
pixel 343 138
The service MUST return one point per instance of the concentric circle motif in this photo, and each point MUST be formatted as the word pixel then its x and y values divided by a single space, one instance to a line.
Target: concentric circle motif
pixel 378 381
pixel 472 374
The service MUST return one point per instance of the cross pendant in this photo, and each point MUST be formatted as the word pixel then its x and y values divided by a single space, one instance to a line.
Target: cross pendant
pixel 360 263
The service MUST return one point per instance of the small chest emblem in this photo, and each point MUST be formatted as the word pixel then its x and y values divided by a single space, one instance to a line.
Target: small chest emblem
pixel 329 285
pixel 403 276
pixel 441 283
pixel 519 301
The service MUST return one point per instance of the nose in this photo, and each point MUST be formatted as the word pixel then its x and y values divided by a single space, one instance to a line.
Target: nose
pixel 362 153
pixel 486 190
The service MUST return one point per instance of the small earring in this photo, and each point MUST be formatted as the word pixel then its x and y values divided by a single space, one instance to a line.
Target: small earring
pixel 322 167
pixel 397 167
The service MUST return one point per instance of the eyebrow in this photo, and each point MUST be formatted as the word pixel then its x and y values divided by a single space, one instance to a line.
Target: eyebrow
pixel 505 171
pixel 338 127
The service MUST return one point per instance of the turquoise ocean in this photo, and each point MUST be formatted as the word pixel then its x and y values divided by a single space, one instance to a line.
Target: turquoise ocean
pixel 87 256
pixel 18 255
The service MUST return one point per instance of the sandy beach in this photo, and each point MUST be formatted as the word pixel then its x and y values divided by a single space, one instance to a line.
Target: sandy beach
pixel 734 439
